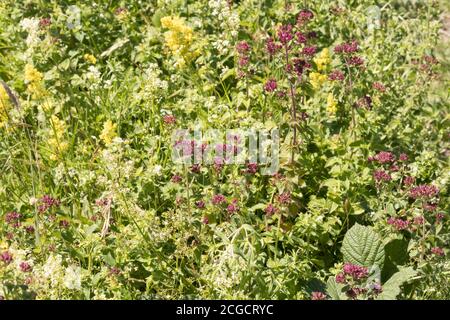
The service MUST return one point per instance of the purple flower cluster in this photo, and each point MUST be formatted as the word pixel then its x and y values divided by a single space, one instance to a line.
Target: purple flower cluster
pixel 304 17
pixel 398 224
pixel 218 199
pixel 284 198
pixel 200 204
pixel 233 206
pixel 272 47
pixel 176 178
pixel 300 65
pixel 270 85
pixel 6 257
pixel 356 61
pixel 423 191
pixel 243 49
pixel 408 180
pixel 252 168
pixel 336 75
pixel 12 218
pixel 355 271
pixel 347 47
pixel 196 168
pixel 301 37
pixel 45 22
pixel 438 251
pixel 309 51
pixel 379 87
pixel 169 119
pixel 270 209
pixel 285 33
pixel 383 157
pixel 47 202
pixel 317 295
pixel 381 176
pixel 25 266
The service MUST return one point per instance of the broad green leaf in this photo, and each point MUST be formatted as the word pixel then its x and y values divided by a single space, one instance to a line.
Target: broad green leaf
pixel 334 289
pixel 362 246
pixel 391 289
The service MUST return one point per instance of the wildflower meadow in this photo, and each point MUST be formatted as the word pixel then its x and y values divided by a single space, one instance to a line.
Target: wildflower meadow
pixel 224 149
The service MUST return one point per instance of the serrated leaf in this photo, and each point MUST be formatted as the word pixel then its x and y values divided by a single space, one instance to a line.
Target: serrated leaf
pixel 334 289
pixel 391 289
pixel 363 246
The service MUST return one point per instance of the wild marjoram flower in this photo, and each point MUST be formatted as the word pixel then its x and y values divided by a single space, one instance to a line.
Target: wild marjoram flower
pixel 109 132
pixel 179 39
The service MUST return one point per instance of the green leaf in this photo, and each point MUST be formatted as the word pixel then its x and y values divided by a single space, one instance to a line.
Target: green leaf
pixel 362 246
pixel 391 289
pixel 335 290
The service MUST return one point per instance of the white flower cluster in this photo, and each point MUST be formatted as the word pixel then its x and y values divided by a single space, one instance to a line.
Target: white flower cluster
pixel 31 25
pixel 72 278
pixel 92 76
pixel 228 23
pixel 153 86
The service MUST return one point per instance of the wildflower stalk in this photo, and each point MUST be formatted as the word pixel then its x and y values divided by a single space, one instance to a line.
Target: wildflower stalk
pixel 186 175
pixel 293 106
pixel 350 86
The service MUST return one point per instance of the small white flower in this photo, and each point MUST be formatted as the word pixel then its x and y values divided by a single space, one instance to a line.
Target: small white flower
pixel 157 170
pixel 72 278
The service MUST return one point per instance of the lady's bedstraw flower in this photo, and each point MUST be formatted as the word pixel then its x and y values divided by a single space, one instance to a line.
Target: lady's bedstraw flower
pixel 179 39
pixel 331 104
pixel 90 58
pixel 33 80
pixel 5 105
pixel 56 141
pixel 109 132
pixel 317 80
pixel 322 60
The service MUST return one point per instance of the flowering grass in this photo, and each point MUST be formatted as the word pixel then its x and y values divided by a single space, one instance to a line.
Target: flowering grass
pixel 93 205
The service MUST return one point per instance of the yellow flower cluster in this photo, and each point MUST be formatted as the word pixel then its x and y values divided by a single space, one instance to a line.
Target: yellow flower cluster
pixel 317 79
pixel 108 132
pixel 179 39
pixel 5 105
pixel 56 142
pixel 323 59
pixel 331 104
pixel 33 79
pixel 90 58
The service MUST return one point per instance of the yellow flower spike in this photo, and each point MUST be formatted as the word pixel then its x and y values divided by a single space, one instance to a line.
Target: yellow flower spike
pixel 323 59
pixel 331 104
pixel 109 132
pixel 5 105
pixel 178 39
pixel 32 75
pixel 317 79
pixel 33 80
pixel 56 141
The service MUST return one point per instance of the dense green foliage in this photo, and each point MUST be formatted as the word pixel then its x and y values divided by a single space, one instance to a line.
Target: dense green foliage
pixel 92 206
